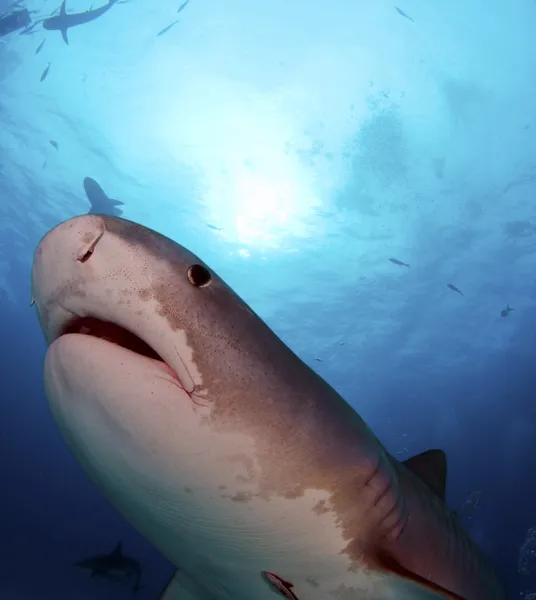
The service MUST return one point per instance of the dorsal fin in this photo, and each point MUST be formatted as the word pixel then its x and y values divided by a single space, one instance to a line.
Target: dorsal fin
pixel 118 550
pixel 431 467
pixel 62 9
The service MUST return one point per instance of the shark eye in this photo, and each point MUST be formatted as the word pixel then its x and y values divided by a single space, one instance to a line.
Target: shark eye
pixel 279 585
pixel 199 276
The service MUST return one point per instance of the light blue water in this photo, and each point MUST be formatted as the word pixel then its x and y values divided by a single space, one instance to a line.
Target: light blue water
pixel 296 147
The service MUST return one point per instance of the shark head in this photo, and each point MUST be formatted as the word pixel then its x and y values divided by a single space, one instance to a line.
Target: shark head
pixel 219 444
pixel 53 23
pixel 153 374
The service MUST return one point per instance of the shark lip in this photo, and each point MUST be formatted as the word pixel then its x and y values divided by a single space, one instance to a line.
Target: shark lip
pixel 110 332
pixel 114 334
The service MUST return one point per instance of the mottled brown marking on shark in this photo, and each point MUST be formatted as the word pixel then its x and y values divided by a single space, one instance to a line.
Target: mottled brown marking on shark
pixel 332 450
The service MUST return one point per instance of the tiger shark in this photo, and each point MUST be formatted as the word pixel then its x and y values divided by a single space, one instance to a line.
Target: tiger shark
pixel 241 466
pixel 64 21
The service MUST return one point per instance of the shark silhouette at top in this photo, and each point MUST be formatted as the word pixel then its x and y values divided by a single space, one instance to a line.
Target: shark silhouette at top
pixel 63 21
pixel 101 203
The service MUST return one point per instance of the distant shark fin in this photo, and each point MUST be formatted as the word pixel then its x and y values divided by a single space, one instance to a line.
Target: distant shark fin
pixel 181 588
pixel 431 467
pixel 118 550
pixel 64 35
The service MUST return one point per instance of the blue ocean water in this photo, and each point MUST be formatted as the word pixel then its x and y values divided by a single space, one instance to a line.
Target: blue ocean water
pixel 296 147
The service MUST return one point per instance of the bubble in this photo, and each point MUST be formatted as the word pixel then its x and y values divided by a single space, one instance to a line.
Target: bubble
pixel 526 564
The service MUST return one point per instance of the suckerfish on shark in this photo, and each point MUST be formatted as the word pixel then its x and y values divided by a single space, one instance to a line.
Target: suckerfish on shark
pixel 244 468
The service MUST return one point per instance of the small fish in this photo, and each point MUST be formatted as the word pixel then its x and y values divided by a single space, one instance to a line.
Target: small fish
pixel 54 144
pixel 505 311
pixel 470 505
pixel 166 29
pixel 40 47
pixel 400 263
pixel 454 288
pixel 183 6
pixel 45 73
pixel 403 14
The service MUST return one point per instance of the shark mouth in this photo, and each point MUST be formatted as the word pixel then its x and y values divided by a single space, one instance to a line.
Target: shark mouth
pixel 116 334
pixel 111 332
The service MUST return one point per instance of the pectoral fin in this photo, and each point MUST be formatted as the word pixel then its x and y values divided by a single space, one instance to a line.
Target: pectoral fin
pixel 408 585
pixel 64 36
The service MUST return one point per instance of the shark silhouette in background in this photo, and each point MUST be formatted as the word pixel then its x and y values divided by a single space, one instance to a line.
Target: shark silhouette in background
pixel 101 204
pixel 63 22
pixel 113 565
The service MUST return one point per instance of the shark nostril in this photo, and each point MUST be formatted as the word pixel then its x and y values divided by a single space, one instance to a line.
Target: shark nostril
pixel 86 252
pixel 199 276
pixel 86 256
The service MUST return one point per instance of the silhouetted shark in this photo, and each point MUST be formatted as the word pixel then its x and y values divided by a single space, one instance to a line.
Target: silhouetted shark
pixel 116 563
pixel 63 21
pixel 101 204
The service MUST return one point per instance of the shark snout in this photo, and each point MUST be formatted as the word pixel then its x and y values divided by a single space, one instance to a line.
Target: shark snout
pixel 59 270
